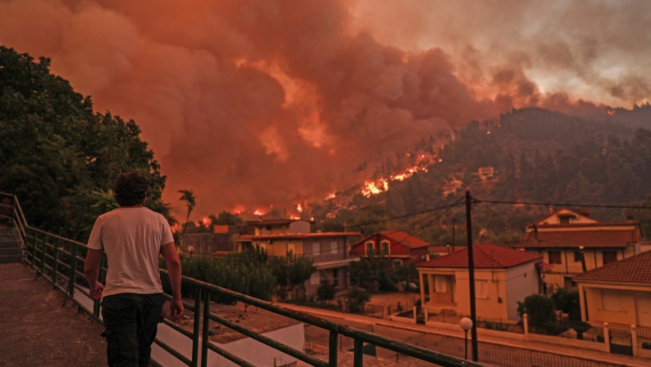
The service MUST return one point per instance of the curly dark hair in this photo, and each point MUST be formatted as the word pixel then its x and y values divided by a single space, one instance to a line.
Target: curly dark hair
pixel 131 188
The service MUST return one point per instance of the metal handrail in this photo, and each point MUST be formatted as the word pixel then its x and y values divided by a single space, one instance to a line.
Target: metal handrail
pixel 46 252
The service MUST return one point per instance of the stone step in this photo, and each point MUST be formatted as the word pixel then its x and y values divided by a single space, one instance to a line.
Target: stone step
pixel 11 251
pixel 6 259
pixel 10 244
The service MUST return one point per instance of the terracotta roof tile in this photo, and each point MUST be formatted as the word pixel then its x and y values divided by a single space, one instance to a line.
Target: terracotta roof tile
pixel 297 235
pixel 486 256
pixel 405 239
pixel 636 269
pixel 589 237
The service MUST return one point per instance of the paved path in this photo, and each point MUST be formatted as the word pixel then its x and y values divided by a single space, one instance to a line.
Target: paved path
pixel 36 331
pixel 401 328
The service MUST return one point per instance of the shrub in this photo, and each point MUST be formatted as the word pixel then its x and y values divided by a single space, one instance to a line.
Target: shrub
pixel 326 291
pixel 580 327
pixel 357 299
pixel 567 301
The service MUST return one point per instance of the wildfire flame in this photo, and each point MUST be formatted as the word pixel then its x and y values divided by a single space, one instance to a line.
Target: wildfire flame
pixel 259 212
pixel 331 196
pixel 206 221
pixel 373 188
pixel 299 208
pixel 611 112
pixel 238 210
pixel 294 217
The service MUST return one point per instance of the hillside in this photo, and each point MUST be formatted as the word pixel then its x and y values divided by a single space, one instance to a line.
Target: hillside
pixel 537 155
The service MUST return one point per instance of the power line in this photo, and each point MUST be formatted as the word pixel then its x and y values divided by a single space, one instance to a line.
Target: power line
pixel 408 215
pixel 602 206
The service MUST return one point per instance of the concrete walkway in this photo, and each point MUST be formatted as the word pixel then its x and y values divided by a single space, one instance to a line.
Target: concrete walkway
pixel 36 331
pixel 596 356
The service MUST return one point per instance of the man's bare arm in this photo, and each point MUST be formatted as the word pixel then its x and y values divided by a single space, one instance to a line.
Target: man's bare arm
pixel 174 270
pixel 91 270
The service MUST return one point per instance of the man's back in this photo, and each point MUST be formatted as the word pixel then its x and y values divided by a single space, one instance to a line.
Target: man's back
pixel 132 240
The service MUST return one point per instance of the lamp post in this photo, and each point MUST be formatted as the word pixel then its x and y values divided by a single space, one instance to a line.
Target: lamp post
pixel 466 324
pixel 471 276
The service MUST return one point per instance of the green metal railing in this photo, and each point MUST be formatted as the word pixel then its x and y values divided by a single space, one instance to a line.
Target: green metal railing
pixel 60 260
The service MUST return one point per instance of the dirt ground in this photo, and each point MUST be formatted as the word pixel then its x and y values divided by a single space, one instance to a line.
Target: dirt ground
pixel 36 331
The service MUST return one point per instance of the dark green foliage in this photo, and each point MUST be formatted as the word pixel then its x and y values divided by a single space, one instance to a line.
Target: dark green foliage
pixel 326 291
pixel 227 218
pixel 580 327
pixel 244 272
pixel 568 302
pixel 58 156
pixel 291 272
pixel 373 273
pixel 356 298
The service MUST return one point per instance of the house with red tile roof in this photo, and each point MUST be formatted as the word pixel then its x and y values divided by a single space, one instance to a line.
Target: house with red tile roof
pixel 618 293
pixel 571 243
pixel 503 277
pixel 398 246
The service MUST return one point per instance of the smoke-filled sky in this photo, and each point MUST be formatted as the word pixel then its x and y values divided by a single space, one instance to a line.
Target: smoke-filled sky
pixel 255 102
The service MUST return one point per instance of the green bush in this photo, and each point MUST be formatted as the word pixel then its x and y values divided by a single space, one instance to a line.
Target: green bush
pixel 243 272
pixel 357 299
pixel 568 302
pixel 326 291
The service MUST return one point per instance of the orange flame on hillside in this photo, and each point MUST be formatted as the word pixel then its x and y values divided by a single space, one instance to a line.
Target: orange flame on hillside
pixel 259 212
pixel 299 208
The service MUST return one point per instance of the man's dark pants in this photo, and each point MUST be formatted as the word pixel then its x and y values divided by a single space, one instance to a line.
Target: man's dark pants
pixel 130 322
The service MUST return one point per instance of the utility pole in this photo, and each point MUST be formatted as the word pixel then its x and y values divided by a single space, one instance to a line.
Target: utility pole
pixel 471 279
pixel 454 227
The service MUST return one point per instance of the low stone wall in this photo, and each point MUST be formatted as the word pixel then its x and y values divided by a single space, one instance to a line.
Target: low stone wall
pixel 567 342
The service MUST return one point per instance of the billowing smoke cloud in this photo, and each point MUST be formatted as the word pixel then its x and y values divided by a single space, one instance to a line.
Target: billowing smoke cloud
pixel 538 52
pixel 255 102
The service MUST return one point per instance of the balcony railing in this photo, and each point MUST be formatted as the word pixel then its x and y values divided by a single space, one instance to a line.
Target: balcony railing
pixel 60 259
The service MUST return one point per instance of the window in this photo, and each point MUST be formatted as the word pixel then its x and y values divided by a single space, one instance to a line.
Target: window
pixel 481 289
pixel 397 263
pixel 315 278
pixel 369 248
pixel 335 278
pixel 316 248
pixel 555 257
pixel 577 256
pixel 610 299
pixel 333 247
pixel 609 256
pixel 291 248
pixel 565 219
pixel 385 247
pixel 440 284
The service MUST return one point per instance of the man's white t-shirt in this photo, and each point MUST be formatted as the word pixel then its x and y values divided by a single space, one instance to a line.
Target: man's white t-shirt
pixel 132 240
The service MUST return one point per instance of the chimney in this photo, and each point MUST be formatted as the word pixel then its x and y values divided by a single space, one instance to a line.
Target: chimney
pixel 535 232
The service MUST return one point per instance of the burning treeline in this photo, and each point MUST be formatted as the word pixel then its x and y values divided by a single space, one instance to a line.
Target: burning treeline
pixel 255 102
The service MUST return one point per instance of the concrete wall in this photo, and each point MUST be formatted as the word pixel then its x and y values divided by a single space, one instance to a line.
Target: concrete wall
pixel 521 281
pixel 328 274
pixel 280 247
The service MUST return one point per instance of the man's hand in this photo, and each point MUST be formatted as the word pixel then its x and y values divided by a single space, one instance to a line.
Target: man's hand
pixel 96 292
pixel 176 309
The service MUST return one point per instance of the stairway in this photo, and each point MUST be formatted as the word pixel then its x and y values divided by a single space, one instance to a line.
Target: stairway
pixel 11 247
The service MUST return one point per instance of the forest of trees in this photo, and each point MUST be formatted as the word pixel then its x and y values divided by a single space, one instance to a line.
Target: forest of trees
pixel 540 156
pixel 59 156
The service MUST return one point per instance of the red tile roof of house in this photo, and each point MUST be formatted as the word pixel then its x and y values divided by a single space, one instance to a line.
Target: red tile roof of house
pixel 486 256
pixel 400 237
pixel 272 222
pixel 297 235
pixel 588 237
pixel 636 269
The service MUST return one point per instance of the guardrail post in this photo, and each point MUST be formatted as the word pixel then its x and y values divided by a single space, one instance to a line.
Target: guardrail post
pixel 525 323
pixel 634 339
pixel 43 253
pixel 55 266
pixel 415 315
pixel 607 336
pixel 73 270
pixel 332 350
pixel 196 328
pixel 206 330
pixel 426 313
pixel 34 236
pixel 358 353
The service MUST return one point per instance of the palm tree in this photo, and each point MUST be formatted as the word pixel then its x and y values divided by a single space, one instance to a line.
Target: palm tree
pixel 188 197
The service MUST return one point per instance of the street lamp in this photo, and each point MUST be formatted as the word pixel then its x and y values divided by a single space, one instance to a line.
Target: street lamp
pixel 466 324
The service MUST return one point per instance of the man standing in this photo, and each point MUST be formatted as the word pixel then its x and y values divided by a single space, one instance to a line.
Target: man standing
pixel 132 237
